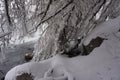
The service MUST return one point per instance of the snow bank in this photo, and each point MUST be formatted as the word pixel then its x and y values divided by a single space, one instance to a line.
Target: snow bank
pixel 37 69
pixel 105 29
pixel 102 64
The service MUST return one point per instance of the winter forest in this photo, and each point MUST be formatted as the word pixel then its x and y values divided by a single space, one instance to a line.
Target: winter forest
pixel 59 39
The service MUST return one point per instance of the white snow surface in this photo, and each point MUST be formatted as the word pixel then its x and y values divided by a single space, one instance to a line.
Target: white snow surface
pixel 105 29
pixel 103 63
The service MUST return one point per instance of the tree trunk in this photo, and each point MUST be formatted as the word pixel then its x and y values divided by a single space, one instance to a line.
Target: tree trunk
pixel 70 22
pixel 7 15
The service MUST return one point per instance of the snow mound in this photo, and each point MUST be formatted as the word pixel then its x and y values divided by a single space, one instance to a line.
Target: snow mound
pixel 46 70
pixel 102 64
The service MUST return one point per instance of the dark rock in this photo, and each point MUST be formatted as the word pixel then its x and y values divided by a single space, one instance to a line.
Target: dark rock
pixel 28 56
pixel 87 49
pixel 25 76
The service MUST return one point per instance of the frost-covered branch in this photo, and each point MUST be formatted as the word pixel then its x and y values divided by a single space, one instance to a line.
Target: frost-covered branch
pixel 44 20
pixel 4 34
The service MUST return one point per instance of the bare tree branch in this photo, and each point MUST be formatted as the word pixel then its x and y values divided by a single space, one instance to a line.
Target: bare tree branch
pixel 4 34
pixel 53 15
pixel 47 8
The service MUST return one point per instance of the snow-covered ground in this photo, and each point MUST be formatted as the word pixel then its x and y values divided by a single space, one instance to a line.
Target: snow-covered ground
pixel 103 63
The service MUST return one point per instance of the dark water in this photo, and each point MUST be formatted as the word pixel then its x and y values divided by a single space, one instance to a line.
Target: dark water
pixel 15 56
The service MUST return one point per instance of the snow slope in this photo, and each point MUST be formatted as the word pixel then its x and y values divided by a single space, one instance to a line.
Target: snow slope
pixel 102 64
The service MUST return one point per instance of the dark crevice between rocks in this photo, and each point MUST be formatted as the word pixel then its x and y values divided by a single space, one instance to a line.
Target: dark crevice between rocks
pixel 85 49
pixel 25 76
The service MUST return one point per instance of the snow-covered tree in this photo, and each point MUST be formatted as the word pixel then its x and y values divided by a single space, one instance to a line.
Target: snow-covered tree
pixel 64 24
pixel 69 23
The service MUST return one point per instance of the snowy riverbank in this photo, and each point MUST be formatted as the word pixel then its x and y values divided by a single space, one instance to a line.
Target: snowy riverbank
pixel 103 63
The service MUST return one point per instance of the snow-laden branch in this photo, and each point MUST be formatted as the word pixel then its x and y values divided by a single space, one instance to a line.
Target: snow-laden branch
pixel 52 16
pixel 4 34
